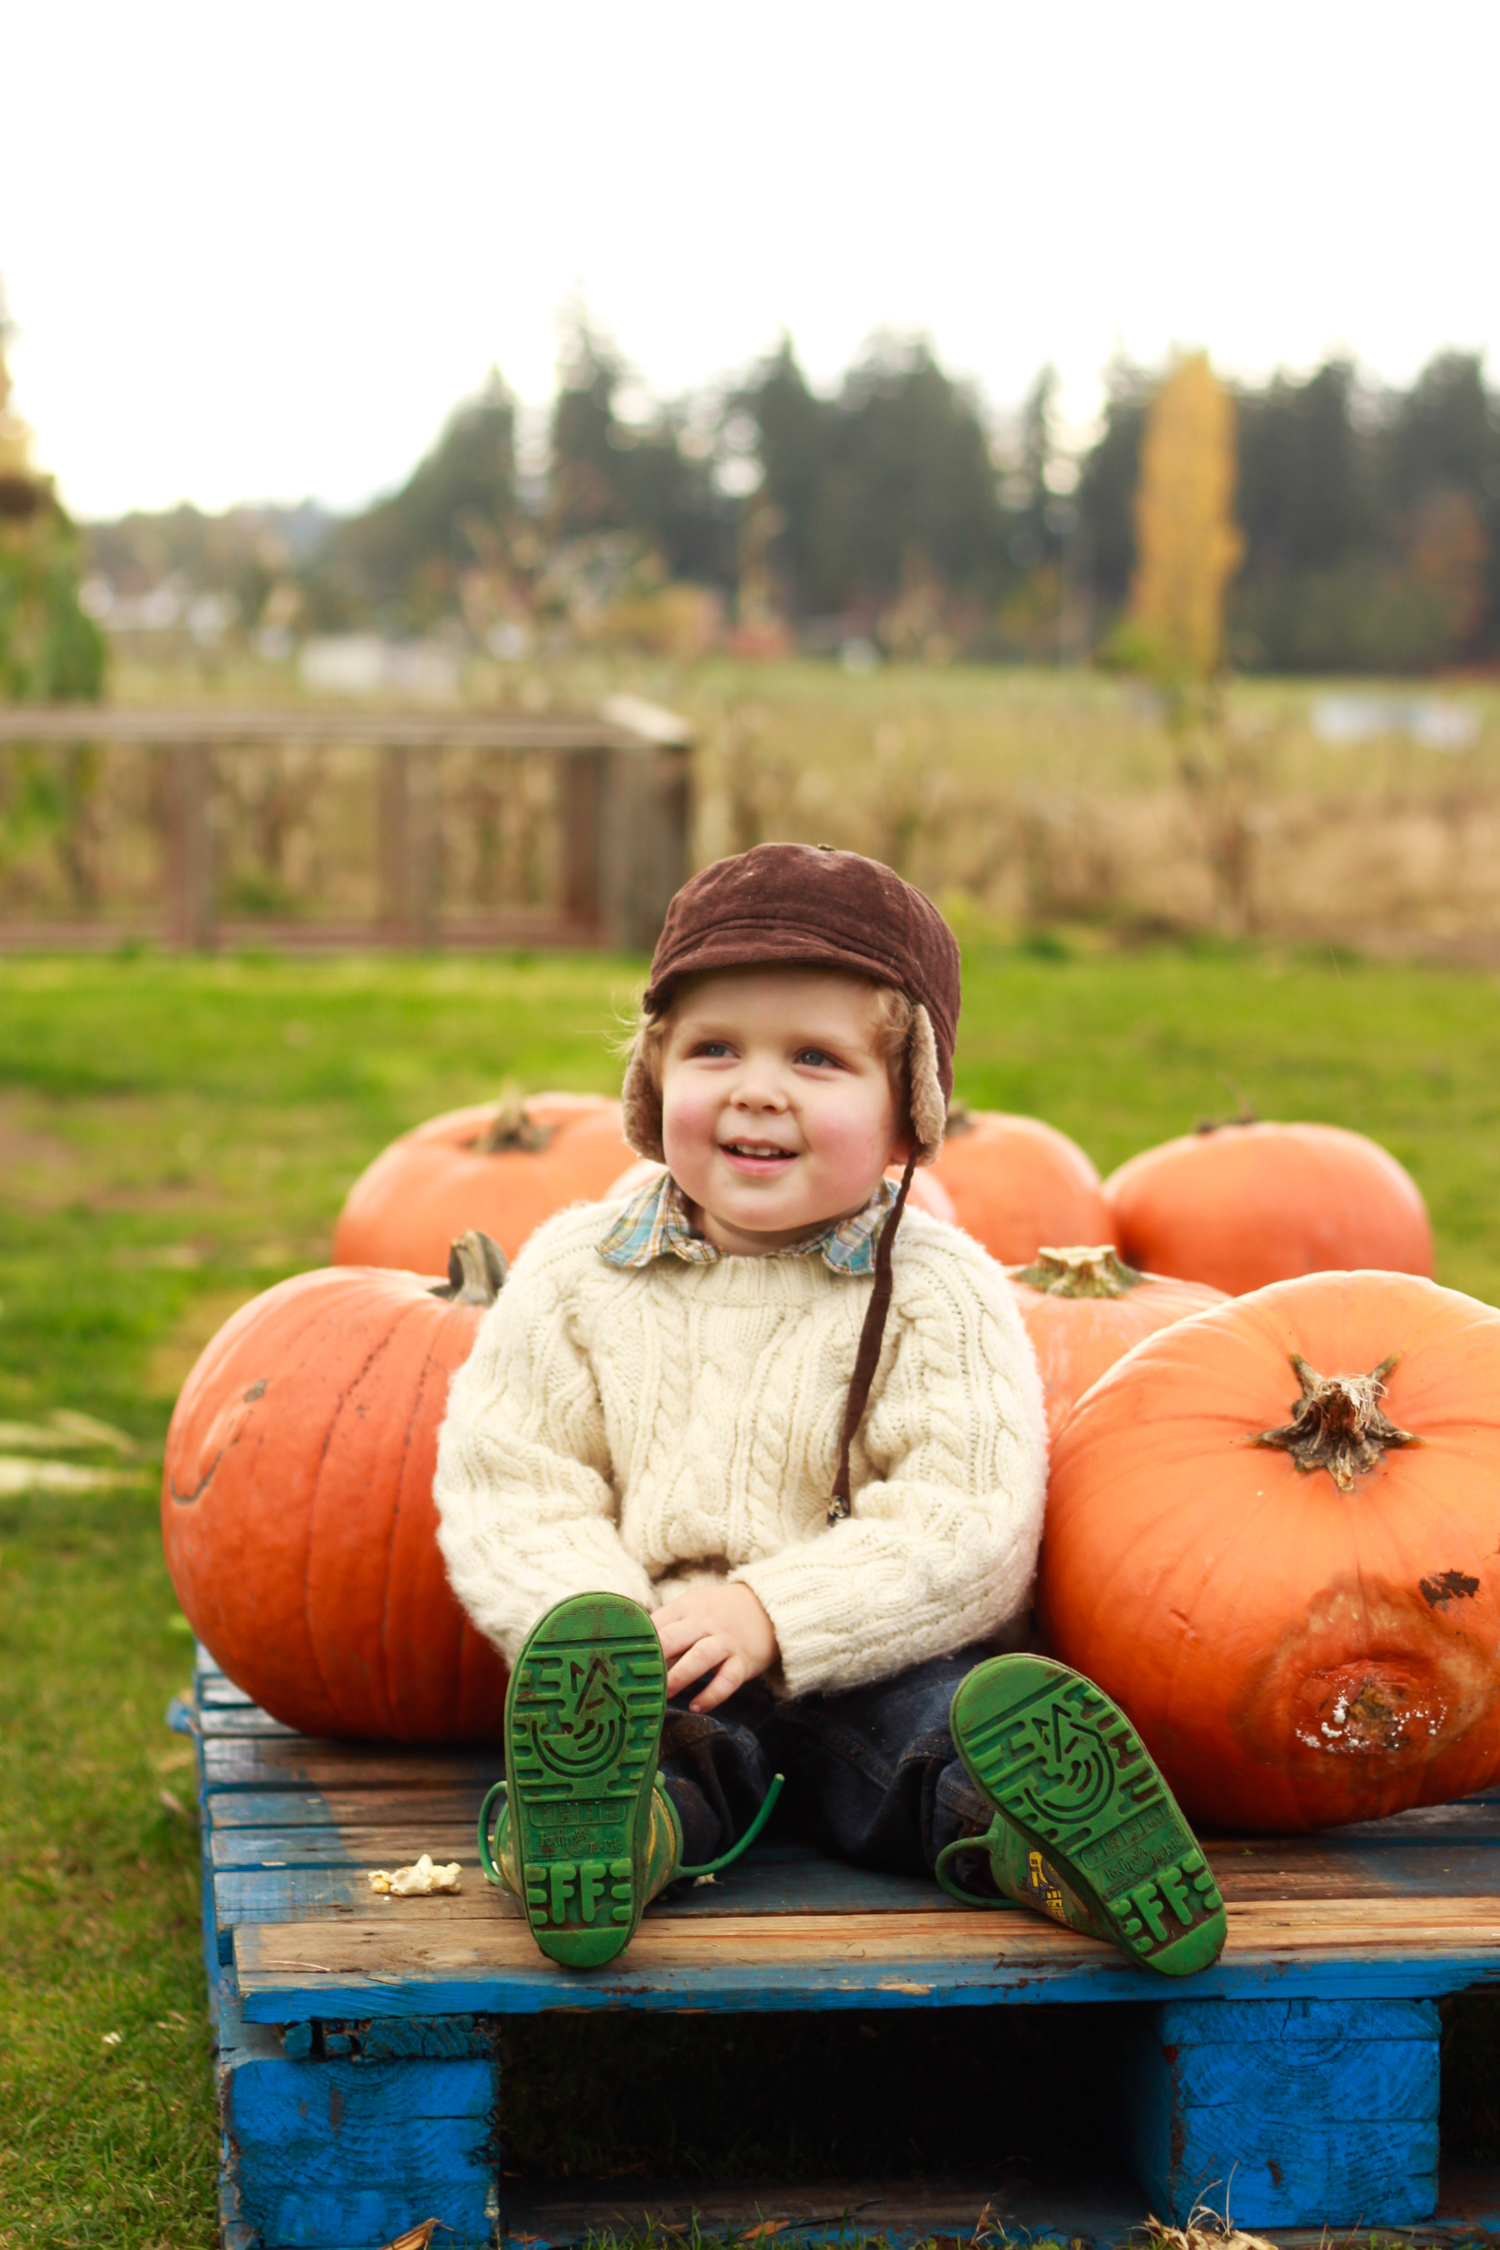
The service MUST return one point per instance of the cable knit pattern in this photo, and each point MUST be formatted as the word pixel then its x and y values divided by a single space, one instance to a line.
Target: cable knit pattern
pixel 631 1431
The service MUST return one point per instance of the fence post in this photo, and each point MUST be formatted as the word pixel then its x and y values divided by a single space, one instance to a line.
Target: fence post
pixel 406 829
pixel 582 803
pixel 190 848
pixel 643 841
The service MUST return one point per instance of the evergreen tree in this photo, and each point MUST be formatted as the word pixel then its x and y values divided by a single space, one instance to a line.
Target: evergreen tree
pixel 402 560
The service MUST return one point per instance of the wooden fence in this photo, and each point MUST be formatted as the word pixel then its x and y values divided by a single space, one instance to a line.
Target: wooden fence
pixel 197 828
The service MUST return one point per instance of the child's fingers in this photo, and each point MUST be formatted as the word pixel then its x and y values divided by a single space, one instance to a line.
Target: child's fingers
pixel 730 1675
pixel 678 1634
pixel 706 1651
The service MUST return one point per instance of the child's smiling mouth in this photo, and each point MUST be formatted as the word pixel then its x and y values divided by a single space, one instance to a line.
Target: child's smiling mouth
pixel 757 1156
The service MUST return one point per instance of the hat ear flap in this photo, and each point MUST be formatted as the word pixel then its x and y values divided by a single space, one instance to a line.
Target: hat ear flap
pixel 641 1103
pixel 929 1111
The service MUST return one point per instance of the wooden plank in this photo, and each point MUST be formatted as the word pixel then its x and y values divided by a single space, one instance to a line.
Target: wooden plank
pixel 295 1762
pixel 334 2151
pixel 1098 2203
pixel 230 1809
pixel 1322 2113
pixel 224 1722
pixel 562 733
pixel 190 850
pixel 1307 1949
pixel 270 1875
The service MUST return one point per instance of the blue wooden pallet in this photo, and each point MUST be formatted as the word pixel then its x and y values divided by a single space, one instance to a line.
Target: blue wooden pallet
pixel 358 2070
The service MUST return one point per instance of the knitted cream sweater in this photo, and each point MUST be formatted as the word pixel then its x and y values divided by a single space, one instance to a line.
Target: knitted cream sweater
pixel 631 1430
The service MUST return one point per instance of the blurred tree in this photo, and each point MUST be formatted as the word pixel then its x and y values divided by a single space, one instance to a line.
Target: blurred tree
pixel 49 650
pixel 887 489
pixel 1188 546
pixel 403 559
pixel 1111 472
pixel 608 475
pixel 584 489
pixel 1304 494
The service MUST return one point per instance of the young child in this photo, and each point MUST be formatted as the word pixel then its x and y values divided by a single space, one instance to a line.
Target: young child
pixel 746 1478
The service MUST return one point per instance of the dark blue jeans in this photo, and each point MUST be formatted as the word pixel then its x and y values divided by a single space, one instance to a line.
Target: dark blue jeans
pixel 870 1774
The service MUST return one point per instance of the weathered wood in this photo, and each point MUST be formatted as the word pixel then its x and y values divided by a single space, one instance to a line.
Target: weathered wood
pixel 1319 1950
pixel 227 1809
pixel 562 734
pixel 296 1762
pixel 583 842
pixel 623 807
pixel 190 852
pixel 1309 2113
pixel 352 2151
pixel 1302 2067
pixel 1098 2204
pixel 643 829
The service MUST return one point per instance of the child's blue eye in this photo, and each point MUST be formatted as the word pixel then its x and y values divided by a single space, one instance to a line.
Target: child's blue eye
pixel 818 1057
pixel 711 1048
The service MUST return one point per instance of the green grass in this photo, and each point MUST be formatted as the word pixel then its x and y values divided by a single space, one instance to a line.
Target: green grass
pixel 175 1135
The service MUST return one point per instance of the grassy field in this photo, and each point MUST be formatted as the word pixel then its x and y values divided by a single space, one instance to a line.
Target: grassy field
pixel 175 1135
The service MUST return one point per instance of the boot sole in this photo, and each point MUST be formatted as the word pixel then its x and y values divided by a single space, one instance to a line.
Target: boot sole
pixel 583 1723
pixel 1066 1768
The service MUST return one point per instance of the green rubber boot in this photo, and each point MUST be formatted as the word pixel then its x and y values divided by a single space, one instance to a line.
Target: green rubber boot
pixel 586 1834
pixel 1087 1829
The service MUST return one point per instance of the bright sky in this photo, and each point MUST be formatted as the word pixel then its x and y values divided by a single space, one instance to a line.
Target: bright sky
pixel 259 251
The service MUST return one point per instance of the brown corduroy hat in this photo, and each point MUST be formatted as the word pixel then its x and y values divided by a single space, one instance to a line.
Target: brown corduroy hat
pixel 808 906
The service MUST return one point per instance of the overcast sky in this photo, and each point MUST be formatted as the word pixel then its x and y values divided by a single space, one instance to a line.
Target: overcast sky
pixel 260 251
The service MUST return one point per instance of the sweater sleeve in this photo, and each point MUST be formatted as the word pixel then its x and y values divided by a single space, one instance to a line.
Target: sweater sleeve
pixel 527 1507
pixel 940 1547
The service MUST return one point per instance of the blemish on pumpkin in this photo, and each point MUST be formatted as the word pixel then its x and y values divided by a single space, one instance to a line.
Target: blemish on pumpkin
pixel 1448 1586
pixel 256 1390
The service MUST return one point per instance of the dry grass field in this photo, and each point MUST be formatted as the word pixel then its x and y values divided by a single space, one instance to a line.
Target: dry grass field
pixel 1315 812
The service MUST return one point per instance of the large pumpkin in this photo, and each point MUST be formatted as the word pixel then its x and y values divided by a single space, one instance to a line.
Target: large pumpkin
pixel 1272 1534
pixel 297 1509
pixel 1083 1309
pixel 1245 1204
pixel 502 1170
pixel 1016 1183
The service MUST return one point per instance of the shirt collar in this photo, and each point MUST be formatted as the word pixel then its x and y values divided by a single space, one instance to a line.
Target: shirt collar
pixel 654 1223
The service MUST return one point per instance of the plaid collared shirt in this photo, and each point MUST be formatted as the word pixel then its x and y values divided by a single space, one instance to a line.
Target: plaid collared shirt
pixel 655 1222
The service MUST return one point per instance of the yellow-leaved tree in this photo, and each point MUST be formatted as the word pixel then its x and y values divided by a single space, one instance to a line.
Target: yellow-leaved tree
pixel 1188 546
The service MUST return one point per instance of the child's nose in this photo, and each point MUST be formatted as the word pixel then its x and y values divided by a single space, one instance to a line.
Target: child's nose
pixel 759 1088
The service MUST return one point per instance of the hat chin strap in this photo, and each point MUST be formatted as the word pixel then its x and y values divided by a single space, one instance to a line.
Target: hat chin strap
pixel 871 1336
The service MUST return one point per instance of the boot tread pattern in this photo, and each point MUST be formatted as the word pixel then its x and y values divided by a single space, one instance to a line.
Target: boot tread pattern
pixel 583 1728
pixel 1070 1771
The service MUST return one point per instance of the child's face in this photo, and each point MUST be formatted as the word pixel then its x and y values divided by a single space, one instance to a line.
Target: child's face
pixel 777 1110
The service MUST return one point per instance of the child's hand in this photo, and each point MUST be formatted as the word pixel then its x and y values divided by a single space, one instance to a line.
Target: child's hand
pixel 718 1629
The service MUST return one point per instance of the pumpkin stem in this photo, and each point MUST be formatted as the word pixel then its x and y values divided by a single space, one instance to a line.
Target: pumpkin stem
pixel 960 1121
pixel 476 1271
pixel 511 1128
pixel 1337 1423
pixel 1079 1273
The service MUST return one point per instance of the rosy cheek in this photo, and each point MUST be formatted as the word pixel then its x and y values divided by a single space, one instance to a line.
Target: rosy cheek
pixel 688 1113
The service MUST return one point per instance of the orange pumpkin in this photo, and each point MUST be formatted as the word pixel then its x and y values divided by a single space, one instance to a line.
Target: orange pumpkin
pixel 1084 1308
pixel 1271 1534
pixel 297 1509
pixel 1245 1204
pixel 502 1170
pixel 1016 1183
